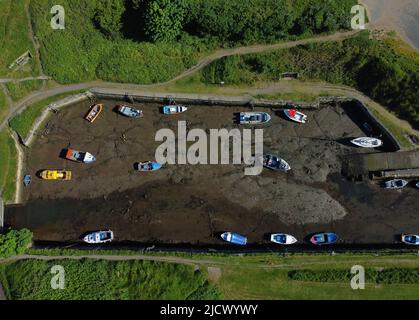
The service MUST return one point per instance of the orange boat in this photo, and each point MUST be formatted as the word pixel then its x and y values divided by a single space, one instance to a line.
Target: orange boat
pixel 94 112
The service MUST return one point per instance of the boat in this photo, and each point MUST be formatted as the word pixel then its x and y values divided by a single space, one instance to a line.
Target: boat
pixel 234 238
pixel 366 142
pixel 295 115
pixel 395 184
pixel 56 175
pixel 99 237
pixel 411 239
pixel 94 112
pixel 174 109
pixel 324 238
pixel 148 166
pixel 275 163
pixel 254 117
pixel 283 238
pixel 129 112
pixel 27 180
pixel 417 185
pixel 79 156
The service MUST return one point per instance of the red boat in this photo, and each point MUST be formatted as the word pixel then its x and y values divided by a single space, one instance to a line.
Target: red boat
pixel 295 115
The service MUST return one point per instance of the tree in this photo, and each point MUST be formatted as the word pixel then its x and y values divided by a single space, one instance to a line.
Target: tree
pixel 14 242
pixel 108 16
pixel 164 19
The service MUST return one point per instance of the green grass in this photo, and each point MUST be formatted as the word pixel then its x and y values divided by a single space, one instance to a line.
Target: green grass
pixel 23 122
pixel 19 90
pixel 14 38
pixel 105 280
pixel 3 105
pixel 7 166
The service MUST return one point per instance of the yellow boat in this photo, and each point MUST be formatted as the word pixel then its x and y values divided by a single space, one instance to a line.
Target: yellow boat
pixel 56 175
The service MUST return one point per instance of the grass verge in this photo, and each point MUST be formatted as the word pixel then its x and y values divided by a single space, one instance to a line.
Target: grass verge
pixel 8 165
pixel 19 90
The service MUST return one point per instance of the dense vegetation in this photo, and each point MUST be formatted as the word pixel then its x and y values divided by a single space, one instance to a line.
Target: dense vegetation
pixel 14 242
pixel 374 66
pixel 106 280
pixel 148 41
pixel 386 276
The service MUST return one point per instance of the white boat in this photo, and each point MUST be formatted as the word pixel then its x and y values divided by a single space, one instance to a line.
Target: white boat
pixel 254 117
pixel 283 238
pixel 174 109
pixel 99 237
pixel 417 185
pixel 396 184
pixel 275 163
pixel 295 115
pixel 411 239
pixel 366 142
pixel 79 156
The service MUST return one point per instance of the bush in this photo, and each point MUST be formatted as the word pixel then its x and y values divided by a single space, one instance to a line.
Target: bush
pixel 14 242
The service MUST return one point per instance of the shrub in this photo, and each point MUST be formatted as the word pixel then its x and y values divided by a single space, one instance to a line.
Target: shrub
pixel 14 242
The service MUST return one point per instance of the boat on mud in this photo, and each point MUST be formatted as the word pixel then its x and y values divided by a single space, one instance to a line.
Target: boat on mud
pixel 27 180
pixel 173 109
pixel 254 117
pixel 99 237
pixel 417 185
pixel 283 238
pixel 275 163
pixel 55 175
pixel 79 156
pixel 130 112
pixel 324 238
pixel 395 184
pixel 147 166
pixel 295 115
pixel 411 239
pixel 367 142
pixel 234 238
pixel 94 112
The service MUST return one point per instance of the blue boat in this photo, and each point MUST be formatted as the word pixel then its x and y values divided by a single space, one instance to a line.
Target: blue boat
pixel 411 239
pixel 174 109
pixel 99 237
pixel 324 238
pixel 27 180
pixel 234 238
pixel 148 166
pixel 254 117
pixel 130 112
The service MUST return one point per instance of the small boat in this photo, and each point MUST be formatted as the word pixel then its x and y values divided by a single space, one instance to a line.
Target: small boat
pixel 56 175
pixel 129 111
pixel 324 238
pixel 283 238
pixel 27 180
pixel 295 115
pixel 174 109
pixel 234 238
pixel 99 237
pixel 79 156
pixel 366 142
pixel 411 239
pixel 417 185
pixel 275 163
pixel 395 184
pixel 148 166
pixel 94 112
pixel 254 117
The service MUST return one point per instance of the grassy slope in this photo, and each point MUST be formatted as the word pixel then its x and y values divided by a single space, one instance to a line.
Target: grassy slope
pixel 7 166
pixel 19 90
pixel 3 105
pixel 14 38
pixel 104 280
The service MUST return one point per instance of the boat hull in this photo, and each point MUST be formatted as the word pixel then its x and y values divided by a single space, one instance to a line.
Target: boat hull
pixel 80 156
pixel 148 166
pixel 366 142
pixel 396 184
pixel 295 115
pixel 324 238
pixel 94 112
pixel 410 239
pixel 275 163
pixel 234 238
pixel 130 112
pixel 99 237
pixel 283 239
pixel 254 117
pixel 169 110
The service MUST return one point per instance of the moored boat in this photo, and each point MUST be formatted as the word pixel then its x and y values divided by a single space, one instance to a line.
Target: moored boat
pixel 367 142
pixel 283 238
pixel 324 238
pixel 174 109
pixel 55 175
pixel 295 115
pixel 79 156
pixel 234 238
pixel 94 112
pixel 411 239
pixel 254 117
pixel 395 184
pixel 27 180
pixel 148 166
pixel 99 237
pixel 275 163
pixel 417 185
pixel 129 112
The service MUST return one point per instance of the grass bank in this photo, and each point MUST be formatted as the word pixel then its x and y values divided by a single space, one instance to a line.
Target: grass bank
pixel 3 105
pixel 19 90
pixel 106 280
pixel 8 165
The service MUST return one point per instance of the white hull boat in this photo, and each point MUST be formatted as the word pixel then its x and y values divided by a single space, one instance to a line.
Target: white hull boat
pixel 411 239
pixel 295 115
pixel 283 238
pixel 366 142
pixel 99 237
pixel 254 117
pixel 395 184
pixel 275 163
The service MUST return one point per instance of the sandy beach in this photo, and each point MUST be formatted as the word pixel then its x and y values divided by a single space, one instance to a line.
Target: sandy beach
pixel 401 16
